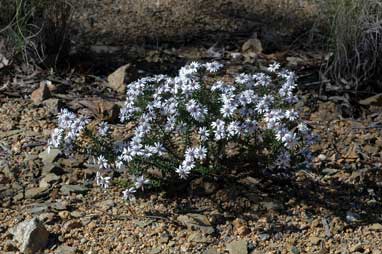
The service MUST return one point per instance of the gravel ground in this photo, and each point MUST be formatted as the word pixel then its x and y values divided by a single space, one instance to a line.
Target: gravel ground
pixel 333 208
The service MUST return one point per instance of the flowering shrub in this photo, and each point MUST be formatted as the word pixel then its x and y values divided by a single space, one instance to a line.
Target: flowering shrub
pixel 187 123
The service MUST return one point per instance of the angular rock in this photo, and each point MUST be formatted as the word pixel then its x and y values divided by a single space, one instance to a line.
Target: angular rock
pixel 40 94
pixel 329 171
pixel 375 100
pixel 66 189
pixel 252 45
pixel 49 156
pixel 38 208
pixel 352 217
pixel 53 105
pixel 196 222
pixel 31 235
pixel 106 204
pixel 48 180
pixel 116 80
pixel 37 192
pixel 272 205
pixel 198 237
pixel 376 227
pixel 238 247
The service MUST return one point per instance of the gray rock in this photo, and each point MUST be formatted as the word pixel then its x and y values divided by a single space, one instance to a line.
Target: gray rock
pixel 106 204
pixel 196 222
pixel 272 205
pixel 198 237
pixel 48 180
pixel 352 217
pixel 38 208
pixel 31 235
pixel 60 206
pixel 37 192
pixel 375 100
pixel 66 189
pixel 53 105
pixel 48 157
pixel 376 227
pixel 329 171
pixel 264 236
pixel 65 249
pixel 238 247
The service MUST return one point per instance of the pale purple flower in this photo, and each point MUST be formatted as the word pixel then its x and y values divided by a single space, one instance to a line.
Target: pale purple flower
pixel 203 134
pixel 140 181
pixel 273 67
pixel 128 194
pixel 183 171
pixel 104 182
pixel 102 162
pixel 103 128
pixel 213 66
pixel 200 153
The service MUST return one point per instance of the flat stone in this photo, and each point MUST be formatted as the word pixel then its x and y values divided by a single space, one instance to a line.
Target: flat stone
pixel 198 237
pixel 271 205
pixel 329 171
pixel 77 214
pixel 48 180
pixel 53 105
pixel 31 235
pixel 38 208
pixel 238 247
pixel 106 204
pixel 36 192
pixel 60 206
pixel 66 189
pixel 116 80
pixel 49 156
pixel 376 227
pixel 196 222
pixel 352 217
